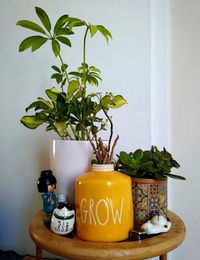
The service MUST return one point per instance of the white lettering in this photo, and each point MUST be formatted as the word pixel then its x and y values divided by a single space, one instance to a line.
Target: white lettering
pixel 84 212
pixel 91 212
pixel 90 209
pixel 116 214
pixel 107 212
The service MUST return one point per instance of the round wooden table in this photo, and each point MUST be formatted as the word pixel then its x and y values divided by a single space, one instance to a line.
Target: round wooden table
pixel 74 248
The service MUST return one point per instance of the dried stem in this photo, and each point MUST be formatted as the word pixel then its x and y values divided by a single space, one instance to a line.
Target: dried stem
pixel 104 153
pixel 113 148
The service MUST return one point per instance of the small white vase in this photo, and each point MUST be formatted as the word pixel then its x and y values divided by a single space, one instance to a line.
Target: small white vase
pixel 69 159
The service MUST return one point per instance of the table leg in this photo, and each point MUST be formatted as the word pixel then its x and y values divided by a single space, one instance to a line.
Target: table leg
pixel 163 257
pixel 38 253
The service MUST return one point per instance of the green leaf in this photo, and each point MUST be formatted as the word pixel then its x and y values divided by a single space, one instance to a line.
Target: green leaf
pixel 39 104
pixel 46 102
pixel 133 163
pixel 64 40
pixel 72 19
pixel 92 80
pixel 176 176
pixel 124 158
pixel 31 122
pixel 64 31
pixel 43 18
pixel 104 32
pixel 64 67
pixel 64 82
pixel 72 88
pixel 77 95
pixel 138 154
pixel 61 127
pixel 38 43
pixel 147 155
pixel 52 93
pixel 74 22
pixel 58 77
pixel 41 116
pixel 146 165
pixel 55 47
pixel 93 30
pixel 61 103
pixel 175 163
pixel 26 43
pixel 74 73
pixel 56 68
pixel 106 100
pixel 35 42
pixel 94 69
pixel 31 25
pixel 60 23
pixel 118 101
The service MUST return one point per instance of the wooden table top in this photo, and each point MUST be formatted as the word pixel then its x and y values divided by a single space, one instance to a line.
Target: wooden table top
pixel 74 248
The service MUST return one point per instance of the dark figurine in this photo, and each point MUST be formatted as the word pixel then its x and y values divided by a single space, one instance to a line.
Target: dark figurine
pixel 47 185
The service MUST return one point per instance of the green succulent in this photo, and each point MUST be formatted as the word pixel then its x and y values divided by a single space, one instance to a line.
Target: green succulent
pixel 152 163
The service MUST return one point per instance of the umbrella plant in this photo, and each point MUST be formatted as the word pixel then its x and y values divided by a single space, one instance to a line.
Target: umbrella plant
pixel 68 108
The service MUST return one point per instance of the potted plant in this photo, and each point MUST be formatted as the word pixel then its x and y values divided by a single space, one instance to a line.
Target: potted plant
pixel 103 198
pixel 69 110
pixel 149 171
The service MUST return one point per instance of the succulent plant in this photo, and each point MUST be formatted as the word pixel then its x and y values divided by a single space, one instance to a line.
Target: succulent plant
pixel 151 163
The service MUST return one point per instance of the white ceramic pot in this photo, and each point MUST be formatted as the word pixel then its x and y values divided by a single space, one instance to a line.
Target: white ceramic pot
pixel 69 159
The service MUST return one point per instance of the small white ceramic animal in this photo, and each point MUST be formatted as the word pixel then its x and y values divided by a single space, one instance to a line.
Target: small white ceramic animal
pixel 158 224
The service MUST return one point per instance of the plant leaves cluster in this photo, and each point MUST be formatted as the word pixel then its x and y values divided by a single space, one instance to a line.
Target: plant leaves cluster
pixel 153 163
pixel 64 112
pixel 57 35
pixel 71 112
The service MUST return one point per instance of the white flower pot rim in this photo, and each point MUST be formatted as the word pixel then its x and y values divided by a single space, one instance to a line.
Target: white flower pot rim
pixel 102 167
pixel 75 141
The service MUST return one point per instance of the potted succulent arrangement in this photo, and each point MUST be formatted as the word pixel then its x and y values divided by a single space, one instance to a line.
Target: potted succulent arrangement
pixel 149 171
pixel 69 110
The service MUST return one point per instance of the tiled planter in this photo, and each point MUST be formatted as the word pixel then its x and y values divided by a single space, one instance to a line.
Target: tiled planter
pixel 149 199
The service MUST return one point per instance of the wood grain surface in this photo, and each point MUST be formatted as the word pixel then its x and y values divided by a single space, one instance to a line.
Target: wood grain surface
pixel 74 248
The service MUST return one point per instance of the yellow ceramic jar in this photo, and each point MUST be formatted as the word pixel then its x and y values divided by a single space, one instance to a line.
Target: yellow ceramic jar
pixel 104 207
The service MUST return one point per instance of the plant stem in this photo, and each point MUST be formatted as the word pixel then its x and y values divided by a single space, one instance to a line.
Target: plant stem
pixel 90 140
pixel 65 71
pixel 84 55
pixel 111 127
pixel 83 90
pixel 62 62
pixel 74 131
pixel 69 135
pixel 112 150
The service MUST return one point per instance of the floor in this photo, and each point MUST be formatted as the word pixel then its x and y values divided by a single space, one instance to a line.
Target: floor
pixel 11 255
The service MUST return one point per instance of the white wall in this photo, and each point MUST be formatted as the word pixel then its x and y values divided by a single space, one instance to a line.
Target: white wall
pixel 184 118
pixel 135 65
pixel 125 65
